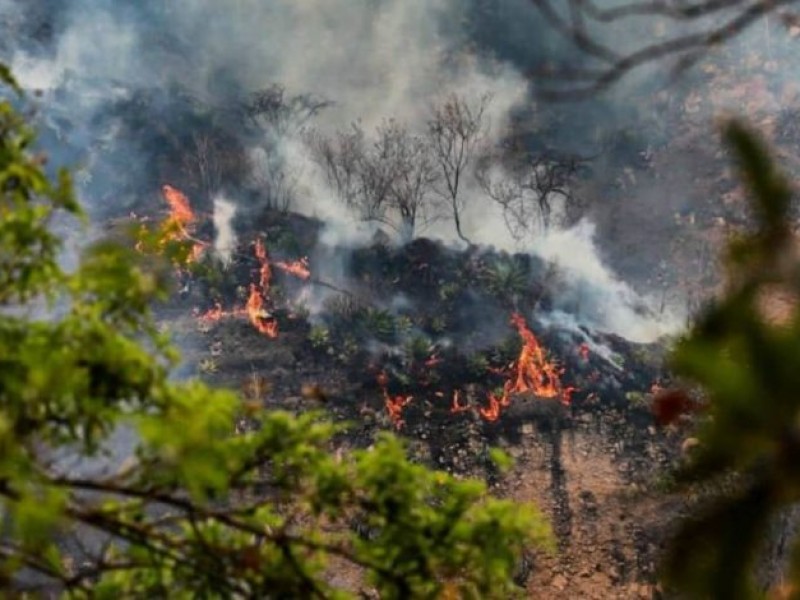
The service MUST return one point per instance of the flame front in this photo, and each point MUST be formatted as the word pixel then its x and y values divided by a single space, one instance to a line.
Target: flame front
pixel 531 372
pixel 298 268
pixel 264 269
pixel 178 223
pixel 259 317
pixel 180 211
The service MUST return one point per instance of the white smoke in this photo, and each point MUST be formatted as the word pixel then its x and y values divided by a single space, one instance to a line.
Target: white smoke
pixel 375 59
pixel 599 298
pixel 225 236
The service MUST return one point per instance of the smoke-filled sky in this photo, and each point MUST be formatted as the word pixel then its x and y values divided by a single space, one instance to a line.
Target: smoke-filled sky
pixel 373 59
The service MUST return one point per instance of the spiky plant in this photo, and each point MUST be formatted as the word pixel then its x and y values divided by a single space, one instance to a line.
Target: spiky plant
pixel 380 324
pixel 506 277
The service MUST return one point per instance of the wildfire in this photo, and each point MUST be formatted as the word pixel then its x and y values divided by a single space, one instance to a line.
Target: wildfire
pixel 264 270
pixel 213 314
pixel 531 372
pixel 180 219
pixel 298 268
pixel 180 211
pixel 394 404
pixel 260 318
pixel 254 309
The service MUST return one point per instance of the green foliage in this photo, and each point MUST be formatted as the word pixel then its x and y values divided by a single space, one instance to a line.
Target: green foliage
pixel 449 290
pixel 195 510
pixel 319 337
pixel 380 324
pixel 748 365
pixel 506 277
pixel 417 349
pixel 477 365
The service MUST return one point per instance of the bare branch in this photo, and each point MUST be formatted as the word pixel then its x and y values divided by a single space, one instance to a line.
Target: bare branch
pixel 731 18
pixel 456 131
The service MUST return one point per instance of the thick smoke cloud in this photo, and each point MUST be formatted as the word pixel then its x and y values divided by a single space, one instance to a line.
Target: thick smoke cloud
pixel 374 59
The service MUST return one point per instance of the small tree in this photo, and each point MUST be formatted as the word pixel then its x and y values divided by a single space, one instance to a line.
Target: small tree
pixel 528 189
pixel 272 110
pixel 456 131
pixel 389 181
pixel 195 510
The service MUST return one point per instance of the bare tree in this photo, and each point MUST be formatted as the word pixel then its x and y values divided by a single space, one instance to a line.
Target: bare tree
pixel 212 160
pixel 273 110
pixel 528 189
pixel 390 180
pixel 275 180
pixel 696 26
pixel 456 131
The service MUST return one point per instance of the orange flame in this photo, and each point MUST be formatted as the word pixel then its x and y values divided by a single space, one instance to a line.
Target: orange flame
pixel 298 268
pixel 264 271
pixel 531 372
pixel 213 314
pixel 261 319
pixel 254 309
pixel 394 404
pixel 180 218
pixel 180 211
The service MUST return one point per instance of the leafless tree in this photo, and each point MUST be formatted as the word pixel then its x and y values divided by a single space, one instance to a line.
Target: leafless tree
pixel 528 188
pixel 210 161
pixel 456 131
pixel 389 180
pixel 275 180
pixel 696 26
pixel 274 110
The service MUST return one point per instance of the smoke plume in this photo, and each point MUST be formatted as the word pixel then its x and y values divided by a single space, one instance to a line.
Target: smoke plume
pixel 370 60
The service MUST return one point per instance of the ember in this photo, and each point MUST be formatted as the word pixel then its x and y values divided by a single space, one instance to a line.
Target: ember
pixel 213 314
pixel 395 406
pixel 457 407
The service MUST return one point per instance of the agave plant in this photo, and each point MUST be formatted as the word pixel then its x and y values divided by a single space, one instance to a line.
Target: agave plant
pixel 380 324
pixel 506 278
pixel 319 337
pixel 417 349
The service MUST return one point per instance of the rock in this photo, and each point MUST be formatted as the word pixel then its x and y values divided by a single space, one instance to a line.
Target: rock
pixel 559 582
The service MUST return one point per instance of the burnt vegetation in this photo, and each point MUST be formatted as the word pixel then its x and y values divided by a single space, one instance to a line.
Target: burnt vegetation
pixel 397 330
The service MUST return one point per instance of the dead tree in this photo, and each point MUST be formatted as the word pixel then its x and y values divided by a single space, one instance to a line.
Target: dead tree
pixel 275 180
pixel 389 180
pixel 456 131
pixel 273 110
pixel 528 189
pixel 693 26
pixel 211 161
